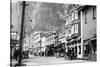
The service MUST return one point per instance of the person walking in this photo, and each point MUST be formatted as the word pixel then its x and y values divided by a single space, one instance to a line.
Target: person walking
pixel 17 52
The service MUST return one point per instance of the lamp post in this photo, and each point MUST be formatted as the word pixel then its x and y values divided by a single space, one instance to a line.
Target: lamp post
pixel 40 44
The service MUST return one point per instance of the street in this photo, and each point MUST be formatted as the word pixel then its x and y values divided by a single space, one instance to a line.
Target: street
pixel 37 60
pixel 51 30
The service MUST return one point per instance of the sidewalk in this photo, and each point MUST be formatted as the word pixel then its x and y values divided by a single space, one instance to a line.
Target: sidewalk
pixel 24 61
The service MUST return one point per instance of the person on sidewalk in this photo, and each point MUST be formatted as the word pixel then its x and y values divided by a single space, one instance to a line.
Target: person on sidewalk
pixel 17 52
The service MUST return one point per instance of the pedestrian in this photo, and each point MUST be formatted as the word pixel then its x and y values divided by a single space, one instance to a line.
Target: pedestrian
pixel 16 54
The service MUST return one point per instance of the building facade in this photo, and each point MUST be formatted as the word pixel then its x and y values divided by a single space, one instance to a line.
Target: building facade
pixel 73 30
pixel 80 27
pixel 89 32
pixel 35 42
pixel 14 40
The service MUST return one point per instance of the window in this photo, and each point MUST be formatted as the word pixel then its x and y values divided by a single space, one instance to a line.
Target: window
pixel 86 49
pixel 94 13
pixel 76 15
pixel 72 29
pixel 85 18
pixel 73 16
pixel 76 28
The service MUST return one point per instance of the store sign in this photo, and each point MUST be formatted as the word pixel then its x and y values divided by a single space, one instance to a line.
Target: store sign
pixel 36 38
pixel 14 36
pixel 50 40
pixel 62 40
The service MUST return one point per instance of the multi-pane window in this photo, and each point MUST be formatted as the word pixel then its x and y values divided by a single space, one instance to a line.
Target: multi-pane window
pixel 75 15
pixel 76 28
pixel 72 29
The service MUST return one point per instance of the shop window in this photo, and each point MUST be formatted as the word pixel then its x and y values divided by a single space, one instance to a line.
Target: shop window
pixel 94 46
pixel 86 49
pixel 79 49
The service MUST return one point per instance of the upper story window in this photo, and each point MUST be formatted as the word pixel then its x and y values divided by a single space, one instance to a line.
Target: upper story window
pixel 86 17
pixel 75 15
pixel 94 13
pixel 72 29
pixel 76 28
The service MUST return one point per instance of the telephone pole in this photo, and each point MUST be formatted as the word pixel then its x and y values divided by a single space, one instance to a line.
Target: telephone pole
pixel 21 34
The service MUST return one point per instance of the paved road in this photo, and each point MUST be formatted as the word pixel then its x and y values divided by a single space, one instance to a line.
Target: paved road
pixel 48 61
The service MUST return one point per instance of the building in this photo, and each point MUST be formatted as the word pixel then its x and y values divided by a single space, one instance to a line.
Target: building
pixel 61 38
pixel 48 42
pixel 89 31
pixel 14 40
pixel 35 42
pixel 73 30
pixel 80 27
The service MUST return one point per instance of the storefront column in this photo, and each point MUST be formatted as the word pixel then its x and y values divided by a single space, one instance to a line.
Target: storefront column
pixel 81 35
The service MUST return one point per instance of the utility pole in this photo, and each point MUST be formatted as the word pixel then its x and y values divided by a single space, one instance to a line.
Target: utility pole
pixel 40 44
pixel 21 34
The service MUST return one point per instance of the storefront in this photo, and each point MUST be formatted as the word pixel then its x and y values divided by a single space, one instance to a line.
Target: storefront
pixel 90 48
pixel 13 44
pixel 75 46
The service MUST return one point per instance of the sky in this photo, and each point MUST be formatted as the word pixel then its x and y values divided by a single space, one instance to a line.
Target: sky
pixel 38 16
